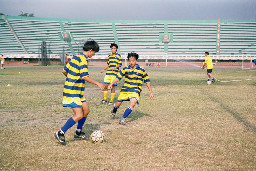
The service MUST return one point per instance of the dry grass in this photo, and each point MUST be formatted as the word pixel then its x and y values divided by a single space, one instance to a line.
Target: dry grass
pixel 188 126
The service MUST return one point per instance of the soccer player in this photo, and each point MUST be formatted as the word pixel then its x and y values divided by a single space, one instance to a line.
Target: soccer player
pixel 76 72
pixel 113 65
pixel 135 76
pixel 208 64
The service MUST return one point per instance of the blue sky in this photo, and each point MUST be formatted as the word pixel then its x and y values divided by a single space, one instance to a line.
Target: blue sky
pixel 133 9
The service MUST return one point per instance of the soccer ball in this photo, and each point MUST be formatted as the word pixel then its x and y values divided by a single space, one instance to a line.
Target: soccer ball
pixel 97 136
pixel 209 82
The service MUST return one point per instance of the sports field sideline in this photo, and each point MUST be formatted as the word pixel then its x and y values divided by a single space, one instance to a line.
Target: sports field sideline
pixel 188 126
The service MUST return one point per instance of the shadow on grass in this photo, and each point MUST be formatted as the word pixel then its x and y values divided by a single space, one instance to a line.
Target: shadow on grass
pixel 88 130
pixel 136 115
pixel 236 115
pixel 178 82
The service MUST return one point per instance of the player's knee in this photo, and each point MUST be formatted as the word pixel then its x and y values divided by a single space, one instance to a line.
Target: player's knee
pixel 77 117
pixel 133 102
pixel 86 112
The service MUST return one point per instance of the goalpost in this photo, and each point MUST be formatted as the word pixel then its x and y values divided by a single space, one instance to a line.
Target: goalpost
pixel 245 60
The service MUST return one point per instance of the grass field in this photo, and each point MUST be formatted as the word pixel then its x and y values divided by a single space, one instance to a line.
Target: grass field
pixel 188 126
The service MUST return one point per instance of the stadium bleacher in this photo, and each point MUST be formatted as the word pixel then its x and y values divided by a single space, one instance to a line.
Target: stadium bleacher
pixel 24 35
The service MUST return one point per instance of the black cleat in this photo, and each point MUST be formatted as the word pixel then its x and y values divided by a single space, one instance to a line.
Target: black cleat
pixel 113 114
pixel 81 135
pixel 60 137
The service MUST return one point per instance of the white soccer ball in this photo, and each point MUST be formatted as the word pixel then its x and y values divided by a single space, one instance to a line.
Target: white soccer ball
pixel 209 82
pixel 97 136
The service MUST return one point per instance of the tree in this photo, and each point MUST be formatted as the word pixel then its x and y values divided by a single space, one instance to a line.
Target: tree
pixel 26 14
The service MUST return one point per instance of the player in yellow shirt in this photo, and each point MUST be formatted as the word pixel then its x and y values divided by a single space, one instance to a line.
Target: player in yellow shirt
pixel 76 72
pixel 112 67
pixel 135 76
pixel 209 65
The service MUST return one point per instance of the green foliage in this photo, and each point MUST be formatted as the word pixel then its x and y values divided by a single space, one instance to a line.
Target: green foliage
pixel 27 14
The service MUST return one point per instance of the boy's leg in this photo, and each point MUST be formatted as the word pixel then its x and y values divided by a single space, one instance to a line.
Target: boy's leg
pixel 78 114
pixel 211 77
pixel 86 111
pixel 78 132
pixel 208 74
pixel 105 91
pixel 127 112
pixel 112 95
pixel 59 135
pixel 114 110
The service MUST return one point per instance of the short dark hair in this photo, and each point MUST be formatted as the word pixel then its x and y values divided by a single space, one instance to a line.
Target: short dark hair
pixel 133 54
pixel 91 44
pixel 113 44
pixel 206 53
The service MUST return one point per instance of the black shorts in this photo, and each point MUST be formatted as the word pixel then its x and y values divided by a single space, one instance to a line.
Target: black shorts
pixel 209 70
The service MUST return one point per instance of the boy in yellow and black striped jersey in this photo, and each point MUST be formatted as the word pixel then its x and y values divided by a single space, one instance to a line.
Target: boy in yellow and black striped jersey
pixel 76 72
pixel 135 76
pixel 113 65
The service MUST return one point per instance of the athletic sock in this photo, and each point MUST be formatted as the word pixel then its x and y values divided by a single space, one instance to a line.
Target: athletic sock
pixel 70 122
pixel 81 123
pixel 105 95
pixel 212 78
pixel 127 112
pixel 112 97
pixel 208 79
pixel 115 108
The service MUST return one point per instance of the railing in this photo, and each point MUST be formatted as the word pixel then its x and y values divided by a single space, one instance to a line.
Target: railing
pixel 152 57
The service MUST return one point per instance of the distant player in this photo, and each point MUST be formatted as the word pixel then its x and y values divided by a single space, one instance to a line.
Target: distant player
pixel 113 64
pixel 2 62
pixel 76 72
pixel 135 76
pixel 209 65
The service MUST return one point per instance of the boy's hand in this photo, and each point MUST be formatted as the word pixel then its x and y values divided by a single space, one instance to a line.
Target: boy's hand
pixel 151 96
pixel 101 86
pixel 110 86
pixel 102 71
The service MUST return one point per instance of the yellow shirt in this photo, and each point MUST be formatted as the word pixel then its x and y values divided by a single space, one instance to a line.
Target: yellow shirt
pixel 208 62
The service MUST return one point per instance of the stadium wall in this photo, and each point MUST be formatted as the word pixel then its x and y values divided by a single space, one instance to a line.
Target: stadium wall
pixel 23 36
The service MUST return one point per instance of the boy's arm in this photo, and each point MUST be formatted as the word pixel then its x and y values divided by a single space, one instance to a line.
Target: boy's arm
pixel 204 65
pixel 111 85
pixel 106 67
pixel 150 90
pixel 64 72
pixel 90 80
pixel 117 66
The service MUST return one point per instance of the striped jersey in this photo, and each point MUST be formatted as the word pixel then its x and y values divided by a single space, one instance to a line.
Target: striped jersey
pixel 134 78
pixel 113 61
pixel 77 68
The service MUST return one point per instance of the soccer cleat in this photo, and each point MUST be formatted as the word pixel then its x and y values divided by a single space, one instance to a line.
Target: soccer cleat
pixel 113 114
pixel 81 135
pixel 213 81
pixel 103 102
pixel 60 137
pixel 110 103
pixel 122 121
